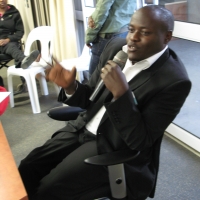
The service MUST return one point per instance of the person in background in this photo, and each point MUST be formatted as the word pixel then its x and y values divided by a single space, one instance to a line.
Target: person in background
pixel 11 32
pixel 110 19
pixel 132 112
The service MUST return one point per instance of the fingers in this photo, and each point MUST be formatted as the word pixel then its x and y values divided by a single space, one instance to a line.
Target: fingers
pixel 91 22
pixel 107 68
pixel 103 71
pixel 73 71
pixel 55 60
pixel 40 57
pixel 47 71
pixel 3 42
pixel 110 67
pixel 57 65
pixel 89 45
pixel 61 76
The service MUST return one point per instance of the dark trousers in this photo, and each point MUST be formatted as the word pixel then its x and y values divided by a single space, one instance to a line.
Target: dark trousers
pixel 57 171
pixel 13 49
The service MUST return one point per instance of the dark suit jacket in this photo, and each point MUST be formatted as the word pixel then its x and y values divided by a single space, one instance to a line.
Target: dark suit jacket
pixel 160 92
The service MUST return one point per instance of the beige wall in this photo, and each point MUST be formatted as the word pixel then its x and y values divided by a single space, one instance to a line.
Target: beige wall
pixel 24 11
pixel 62 19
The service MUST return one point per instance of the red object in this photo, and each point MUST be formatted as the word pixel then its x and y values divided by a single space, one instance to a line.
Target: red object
pixel 4 103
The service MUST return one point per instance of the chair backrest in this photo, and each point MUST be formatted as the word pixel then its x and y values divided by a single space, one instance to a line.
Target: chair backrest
pixel 86 51
pixel 83 61
pixel 44 34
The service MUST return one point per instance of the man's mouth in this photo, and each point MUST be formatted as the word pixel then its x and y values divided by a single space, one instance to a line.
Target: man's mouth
pixel 132 48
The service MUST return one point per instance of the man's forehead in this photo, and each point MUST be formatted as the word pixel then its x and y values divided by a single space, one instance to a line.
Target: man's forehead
pixel 141 22
pixel 147 19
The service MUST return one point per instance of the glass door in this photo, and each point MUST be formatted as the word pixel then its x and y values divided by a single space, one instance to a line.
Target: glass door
pixel 186 43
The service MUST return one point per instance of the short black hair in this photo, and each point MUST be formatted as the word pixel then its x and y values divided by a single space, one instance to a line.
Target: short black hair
pixel 164 15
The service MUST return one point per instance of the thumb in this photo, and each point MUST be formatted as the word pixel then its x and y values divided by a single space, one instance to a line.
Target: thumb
pixel 73 71
pixel 47 71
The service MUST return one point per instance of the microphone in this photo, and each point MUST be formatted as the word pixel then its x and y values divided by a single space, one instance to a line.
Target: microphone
pixel 120 58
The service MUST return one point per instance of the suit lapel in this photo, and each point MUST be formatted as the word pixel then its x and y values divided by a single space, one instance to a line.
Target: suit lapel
pixel 143 77
pixel 95 107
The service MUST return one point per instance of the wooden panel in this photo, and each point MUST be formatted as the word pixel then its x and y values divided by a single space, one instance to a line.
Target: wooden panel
pixel 178 9
pixel 11 186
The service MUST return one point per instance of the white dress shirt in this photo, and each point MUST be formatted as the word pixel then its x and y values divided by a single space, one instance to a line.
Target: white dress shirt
pixel 130 71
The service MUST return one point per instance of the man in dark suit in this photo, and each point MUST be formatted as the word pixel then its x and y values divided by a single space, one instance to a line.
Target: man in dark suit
pixel 132 112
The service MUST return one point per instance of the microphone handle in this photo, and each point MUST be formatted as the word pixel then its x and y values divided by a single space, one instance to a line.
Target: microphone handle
pixel 120 59
pixel 99 87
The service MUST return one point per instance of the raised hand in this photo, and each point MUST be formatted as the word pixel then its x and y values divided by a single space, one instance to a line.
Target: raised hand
pixel 114 79
pixel 61 76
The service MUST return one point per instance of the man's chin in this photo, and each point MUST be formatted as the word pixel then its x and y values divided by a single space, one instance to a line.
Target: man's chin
pixel 132 59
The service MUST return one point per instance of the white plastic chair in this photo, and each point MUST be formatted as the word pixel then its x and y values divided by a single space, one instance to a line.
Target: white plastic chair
pixel 81 63
pixel 44 34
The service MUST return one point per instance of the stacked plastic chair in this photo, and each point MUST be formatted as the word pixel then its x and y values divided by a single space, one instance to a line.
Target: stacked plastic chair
pixel 44 34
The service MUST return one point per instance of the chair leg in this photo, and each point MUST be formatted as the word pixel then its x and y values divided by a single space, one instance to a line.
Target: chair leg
pixel 22 79
pixel 10 89
pixel 57 88
pixel 34 103
pixel 33 93
pixel 43 83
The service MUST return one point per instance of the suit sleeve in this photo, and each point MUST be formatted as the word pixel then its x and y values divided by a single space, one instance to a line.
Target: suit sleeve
pixel 140 127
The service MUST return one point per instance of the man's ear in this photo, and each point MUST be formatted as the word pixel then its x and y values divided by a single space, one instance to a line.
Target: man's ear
pixel 168 36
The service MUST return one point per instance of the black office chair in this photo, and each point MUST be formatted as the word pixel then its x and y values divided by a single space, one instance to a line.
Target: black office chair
pixel 4 60
pixel 113 160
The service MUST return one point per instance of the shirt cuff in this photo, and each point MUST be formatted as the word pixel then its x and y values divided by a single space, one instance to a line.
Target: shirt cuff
pixel 70 95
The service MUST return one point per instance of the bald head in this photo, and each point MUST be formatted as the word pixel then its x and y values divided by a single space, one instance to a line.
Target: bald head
pixel 159 14
pixel 150 30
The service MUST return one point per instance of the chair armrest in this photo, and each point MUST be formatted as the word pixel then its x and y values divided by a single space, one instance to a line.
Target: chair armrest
pixel 113 158
pixel 115 163
pixel 64 113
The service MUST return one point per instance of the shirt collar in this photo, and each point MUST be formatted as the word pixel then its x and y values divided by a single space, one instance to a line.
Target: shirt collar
pixel 146 63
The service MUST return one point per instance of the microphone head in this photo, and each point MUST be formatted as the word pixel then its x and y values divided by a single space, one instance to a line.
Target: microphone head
pixel 120 58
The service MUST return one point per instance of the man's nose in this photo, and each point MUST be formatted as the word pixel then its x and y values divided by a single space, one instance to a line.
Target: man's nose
pixel 135 36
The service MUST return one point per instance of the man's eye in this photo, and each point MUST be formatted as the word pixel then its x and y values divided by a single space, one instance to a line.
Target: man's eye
pixel 145 33
pixel 131 30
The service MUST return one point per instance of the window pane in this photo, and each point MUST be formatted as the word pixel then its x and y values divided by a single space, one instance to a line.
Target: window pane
pixel 189 53
pixel 185 11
